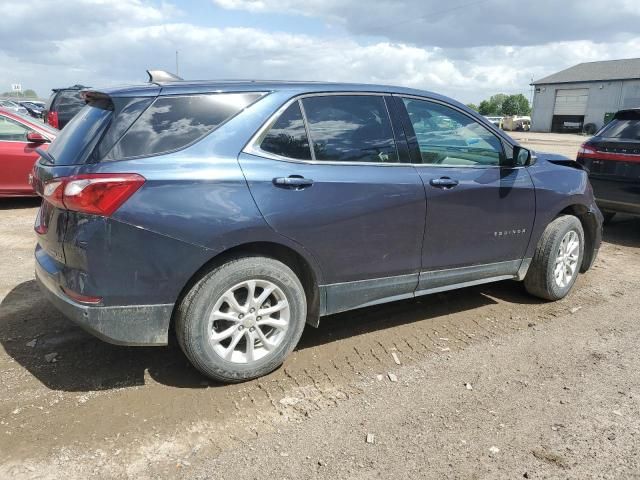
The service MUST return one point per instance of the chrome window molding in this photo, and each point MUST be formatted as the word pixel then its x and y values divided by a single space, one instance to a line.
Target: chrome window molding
pixel 253 145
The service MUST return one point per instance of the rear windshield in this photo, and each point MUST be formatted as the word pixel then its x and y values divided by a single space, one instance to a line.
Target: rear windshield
pixel 74 144
pixel 622 129
pixel 68 102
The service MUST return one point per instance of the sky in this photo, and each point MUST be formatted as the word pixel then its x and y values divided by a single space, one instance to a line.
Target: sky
pixel 465 49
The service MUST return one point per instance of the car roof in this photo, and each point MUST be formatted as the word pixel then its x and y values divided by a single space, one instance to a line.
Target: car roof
pixel 296 87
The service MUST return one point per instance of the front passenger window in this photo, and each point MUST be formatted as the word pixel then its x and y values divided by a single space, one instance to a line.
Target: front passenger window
pixel 350 128
pixel 448 137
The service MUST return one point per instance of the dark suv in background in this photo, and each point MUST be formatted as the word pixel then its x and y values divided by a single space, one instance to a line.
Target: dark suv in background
pixel 237 212
pixel 63 105
pixel 612 157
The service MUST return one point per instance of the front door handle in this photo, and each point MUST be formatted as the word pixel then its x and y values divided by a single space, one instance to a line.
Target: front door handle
pixel 292 181
pixel 444 182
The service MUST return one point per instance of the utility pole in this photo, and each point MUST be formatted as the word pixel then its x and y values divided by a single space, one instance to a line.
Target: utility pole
pixel 177 67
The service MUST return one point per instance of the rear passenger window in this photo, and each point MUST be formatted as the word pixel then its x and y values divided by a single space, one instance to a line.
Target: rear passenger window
pixel 448 137
pixel 173 122
pixel 288 137
pixel 350 128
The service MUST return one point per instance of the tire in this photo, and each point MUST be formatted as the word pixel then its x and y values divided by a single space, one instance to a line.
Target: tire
pixel 541 280
pixel 201 332
pixel 608 216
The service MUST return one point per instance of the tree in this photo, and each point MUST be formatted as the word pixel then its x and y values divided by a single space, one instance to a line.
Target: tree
pixel 29 93
pixel 501 104
pixel 472 106
pixel 485 108
pixel 516 105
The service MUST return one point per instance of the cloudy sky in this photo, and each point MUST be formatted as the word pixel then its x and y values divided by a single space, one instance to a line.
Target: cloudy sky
pixel 463 48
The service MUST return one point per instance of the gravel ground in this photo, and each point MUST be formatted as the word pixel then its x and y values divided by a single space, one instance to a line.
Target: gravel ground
pixel 491 384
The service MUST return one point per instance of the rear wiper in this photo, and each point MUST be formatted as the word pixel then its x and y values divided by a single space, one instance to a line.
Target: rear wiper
pixel 46 155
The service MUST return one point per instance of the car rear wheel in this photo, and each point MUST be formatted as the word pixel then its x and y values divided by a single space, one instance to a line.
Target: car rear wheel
pixel 242 319
pixel 557 259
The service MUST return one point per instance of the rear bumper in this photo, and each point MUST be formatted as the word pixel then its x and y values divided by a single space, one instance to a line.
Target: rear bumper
pixel 135 325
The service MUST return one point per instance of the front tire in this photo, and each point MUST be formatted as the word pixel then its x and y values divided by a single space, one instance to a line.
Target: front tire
pixel 557 259
pixel 242 319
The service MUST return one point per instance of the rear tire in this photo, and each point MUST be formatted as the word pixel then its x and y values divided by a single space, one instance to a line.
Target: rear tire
pixel 557 259
pixel 242 319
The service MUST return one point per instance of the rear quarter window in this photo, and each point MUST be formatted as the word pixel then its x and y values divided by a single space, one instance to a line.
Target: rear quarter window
pixel 174 122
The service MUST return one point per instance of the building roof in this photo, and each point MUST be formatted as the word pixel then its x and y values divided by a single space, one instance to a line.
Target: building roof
pixel 596 71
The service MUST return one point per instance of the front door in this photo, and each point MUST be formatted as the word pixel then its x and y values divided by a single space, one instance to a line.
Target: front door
pixel 479 211
pixel 327 175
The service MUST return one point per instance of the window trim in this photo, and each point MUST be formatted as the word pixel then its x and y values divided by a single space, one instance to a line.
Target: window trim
pixel 499 137
pixel 253 145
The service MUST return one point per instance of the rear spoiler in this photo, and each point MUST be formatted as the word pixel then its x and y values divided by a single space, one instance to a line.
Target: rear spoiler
pixel 97 99
pixel 159 76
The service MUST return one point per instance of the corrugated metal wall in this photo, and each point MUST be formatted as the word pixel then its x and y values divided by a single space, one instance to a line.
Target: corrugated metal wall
pixel 603 97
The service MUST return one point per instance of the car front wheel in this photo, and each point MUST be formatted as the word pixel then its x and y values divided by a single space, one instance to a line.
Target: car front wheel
pixel 557 259
pixel 242 319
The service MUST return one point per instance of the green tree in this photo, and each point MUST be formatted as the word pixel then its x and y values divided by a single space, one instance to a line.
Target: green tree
pixel 30 93
pixel 516 105
pixel 485 108
pixel 472 106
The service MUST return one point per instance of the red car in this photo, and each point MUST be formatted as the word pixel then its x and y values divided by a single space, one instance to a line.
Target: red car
pixel 19 138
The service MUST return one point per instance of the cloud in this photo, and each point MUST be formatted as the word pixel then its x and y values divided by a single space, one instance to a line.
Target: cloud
pixel 466 23
pixel 129 36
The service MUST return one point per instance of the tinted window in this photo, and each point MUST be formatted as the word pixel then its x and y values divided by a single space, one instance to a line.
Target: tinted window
pixel 68 102
pixel 126 111
pixel 448 137
pixel 350 128
pixel 622 129
pixel 288 137
pixel 11 131
pixel 173 122
pixel 77 140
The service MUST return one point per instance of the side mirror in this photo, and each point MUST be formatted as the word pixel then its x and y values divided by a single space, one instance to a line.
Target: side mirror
pixel 521 156
pixel 35 137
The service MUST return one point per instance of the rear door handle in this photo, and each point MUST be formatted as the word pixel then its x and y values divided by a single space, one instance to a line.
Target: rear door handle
pixel 292 181
pixel 444 182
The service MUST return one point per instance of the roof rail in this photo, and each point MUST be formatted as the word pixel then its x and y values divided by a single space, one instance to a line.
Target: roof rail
pixel 157 76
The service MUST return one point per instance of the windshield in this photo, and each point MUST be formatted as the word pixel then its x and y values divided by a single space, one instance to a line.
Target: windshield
pixel 76 141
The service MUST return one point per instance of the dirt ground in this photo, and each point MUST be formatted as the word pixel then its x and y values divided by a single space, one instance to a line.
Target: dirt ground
pixel 492 383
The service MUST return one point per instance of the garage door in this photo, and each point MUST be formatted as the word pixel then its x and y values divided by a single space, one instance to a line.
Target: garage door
pixel 571 102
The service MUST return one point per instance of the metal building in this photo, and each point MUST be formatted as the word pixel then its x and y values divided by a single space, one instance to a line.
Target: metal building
pixel 583 96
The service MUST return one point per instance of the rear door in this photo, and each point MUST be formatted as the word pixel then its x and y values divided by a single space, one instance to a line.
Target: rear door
pixel 479 211
pixel 327 174
pixel 17 157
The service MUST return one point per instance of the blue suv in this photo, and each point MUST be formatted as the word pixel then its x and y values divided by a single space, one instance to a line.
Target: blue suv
pixel 237 212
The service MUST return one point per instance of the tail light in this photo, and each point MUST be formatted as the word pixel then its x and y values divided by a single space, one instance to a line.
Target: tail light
pixel 586 150
pixel 96 194
pixel 52 119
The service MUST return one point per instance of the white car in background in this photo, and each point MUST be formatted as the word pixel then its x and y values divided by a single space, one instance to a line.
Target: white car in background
pixel 497 121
